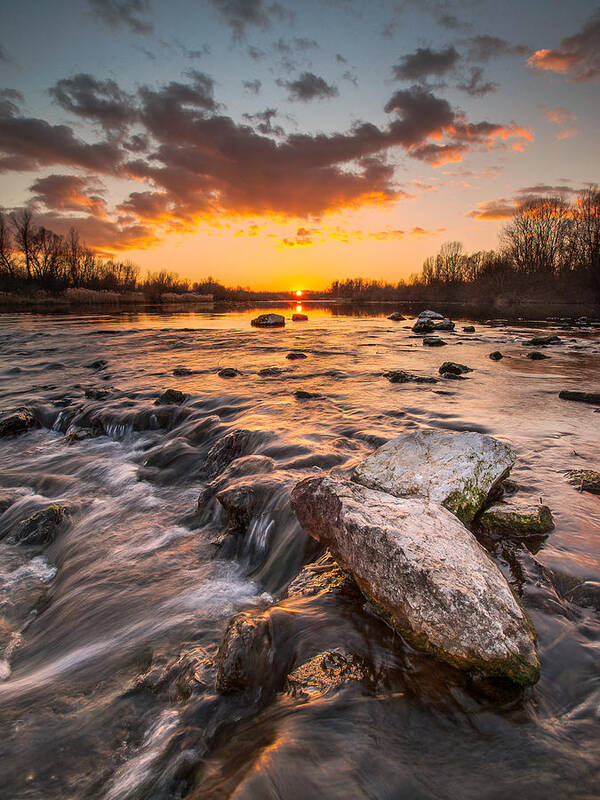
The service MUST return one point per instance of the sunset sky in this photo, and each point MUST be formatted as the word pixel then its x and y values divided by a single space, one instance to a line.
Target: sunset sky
pixel 286 144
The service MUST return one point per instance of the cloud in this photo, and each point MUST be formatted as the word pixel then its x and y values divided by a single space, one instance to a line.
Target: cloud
pixel 100 101
pixel 424 62
pixel 70 193
pixel 484 48
pixel 264 122
pixel 564 119
pixel 4 57
pixel 475 85
pixel 253 86
pixel 241 14
pixel 578 56
pixel 303 238
pixel 503 208
pixel 494 210
pixel 123 13
pixel 309 86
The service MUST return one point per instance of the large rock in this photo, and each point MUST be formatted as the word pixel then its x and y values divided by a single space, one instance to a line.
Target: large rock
pixel 517 518
pixel 457 470
pixel 269 321
pixel 19 421
pixel 245 654
pixel 246 499
pixel 425 573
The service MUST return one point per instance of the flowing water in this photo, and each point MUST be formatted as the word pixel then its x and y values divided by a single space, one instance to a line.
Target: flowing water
pixel 108 634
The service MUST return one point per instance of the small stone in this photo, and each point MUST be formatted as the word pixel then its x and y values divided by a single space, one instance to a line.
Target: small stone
pixel 535 355
pixel 270 371
pixel 517 519
pixel 496 355
pixel 269 321
pixel 299 318
pixel 433 341
pixel 97 394
pixel 41 527
pixel 469 328
pixel 430 315
pixel 16 422
pixel 170 397
pixel 542 341
pixel 401 376
pixel 295 356
pixel 444 325
pixel 586 480
pixel 181 371
pixel 396 317
pixel 325 673
pixel 452 368
pixel 301 394
pixel 423 326
pixel 228 372
pixel 580 397
pixel 99 364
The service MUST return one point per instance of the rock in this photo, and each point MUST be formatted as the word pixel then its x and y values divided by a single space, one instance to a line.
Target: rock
pixel 97 394
pixel 517 518
pixel 430 315
pixel 228 372
pixel 269 321
pixel 13 423
pixel 401 376
pixel 457 470
pixel 444 325
pixel 240 468
pixel 452 368
pixel 7 498
pixel 541 341
pixel 170 397
pixel 99 364
pixel 41 527
pixel 496 355
pixel 425 573
pixel 299 318
pixel 181 371
pixel 580 397
pixel 295 356
pixel 469 328
pixel 586 480
pixel 433 341
pixel 235 444
pixel 244 501
pixel 496 323
pixel 326 673
pixel 537 356
pixel 302 394
pixel 396 317
pixel 322 576
pixel 244 653
pixel 423 326
pixel 270 371
pixel 586 594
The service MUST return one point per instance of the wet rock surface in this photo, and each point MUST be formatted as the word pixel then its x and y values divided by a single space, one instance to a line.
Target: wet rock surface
pixel 402 376
pixel 457 470
pixel 229 372
pixel 296 356
pixel 42 527
pixel 269 321
pixel 425 572
pixel 170 397
pixel 433 341
pixel 453 368
pixel 327 672
pixel 537 356
pixel 13 423
pixel 396 316
pixel 496 355
pixel 586 480
pixel 542 341
pixel 580 397
pixel 517 518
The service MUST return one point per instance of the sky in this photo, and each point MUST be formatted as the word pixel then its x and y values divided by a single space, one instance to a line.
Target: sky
pixel 282 145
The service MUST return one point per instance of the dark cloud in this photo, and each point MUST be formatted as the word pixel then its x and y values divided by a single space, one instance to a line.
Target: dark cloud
pixel 123 13
pixel 100 101
pixel 4 57
pixel 70 193
pixel 340 59
pixel 263 122
pixel 484 48
pixel 253 86
pixel 577 56
pixel 350 77
pixel 256 53
pixel 424 62
pixel 241 14
pixel 309 86
pixel 475 84
pixel 503 208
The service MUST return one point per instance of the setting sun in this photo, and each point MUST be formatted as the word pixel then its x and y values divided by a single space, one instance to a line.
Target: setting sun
pixel 298 293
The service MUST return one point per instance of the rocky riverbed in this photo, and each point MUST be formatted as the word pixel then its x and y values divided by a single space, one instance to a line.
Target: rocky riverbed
pixel 317 559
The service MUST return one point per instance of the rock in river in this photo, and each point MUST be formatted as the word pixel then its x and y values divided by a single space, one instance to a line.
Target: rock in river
pixel 423 326
pixel 444 325
pixel 19 421
pixel 396 316
pixel 580 397
pixel 327 672
pixel 402 376
pixel 517 518
pixel 299 318
pixel 457 470
pixel 452 368
pixel 425 573
pixel 469 329
pixel 295 355
pixel 433 341
pixel 496 355
pixel 41 527
pixel 170 397
pixel 269 321
pixel 586 480
pixel 542 341
pixel 228 372
pixel 430 315
pixel 535 355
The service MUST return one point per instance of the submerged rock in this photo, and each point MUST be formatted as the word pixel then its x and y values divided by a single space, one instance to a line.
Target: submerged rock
pixel 586 480
pixel 239 468
pixel 243 501
pixel 302 394
pixel 541 341
pixel 245 653
pixel 430 315
pixel 97 394
pixel 7 498
pixel 99 364
pixel 235 444
pixel 327 672
pixel 269 321
pixel 323 576
pixel 444 325
pixel 181 371
pixel 580 397
pixel 13 423
pixel 517 518
pixel 228 372
pixel 42 527
pixel 457 470
pixel 496 355
pixel 295 356
pixel 425 573
pixel 469 328
pixel 299 318
pixel 452 368
pixel 170 397
pixel 401 376
pixel 396 316
pixel 433 341
pixel 535 355
pixel 270 371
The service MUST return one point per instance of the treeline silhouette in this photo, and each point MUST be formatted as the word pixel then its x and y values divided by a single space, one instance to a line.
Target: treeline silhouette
pixel 550 248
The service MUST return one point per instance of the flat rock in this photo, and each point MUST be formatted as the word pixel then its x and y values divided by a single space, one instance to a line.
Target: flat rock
pixel 542 341
pixel 456 470
pixel 270 371
pixel 452 368
pixel 586 480
pixel 41 527
pixel 517 518
pixel 181 371
pixel 402 376
pixel 228 372
pixel 170 397
pixel 433 341
pixel 21 420
pixel 326 673
pixel 269 321
pixel 580 397
pixel 302 394
pixel 535 355
pixel 425 573
pixel 295 356
pixel 299 318
pixel 430 315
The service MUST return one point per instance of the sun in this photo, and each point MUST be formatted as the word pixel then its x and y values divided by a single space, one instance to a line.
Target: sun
pixel 299 293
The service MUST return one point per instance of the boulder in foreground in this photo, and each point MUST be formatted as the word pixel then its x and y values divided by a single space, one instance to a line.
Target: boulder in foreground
pixel 425 573
pixel 456 470
pixel 269 321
